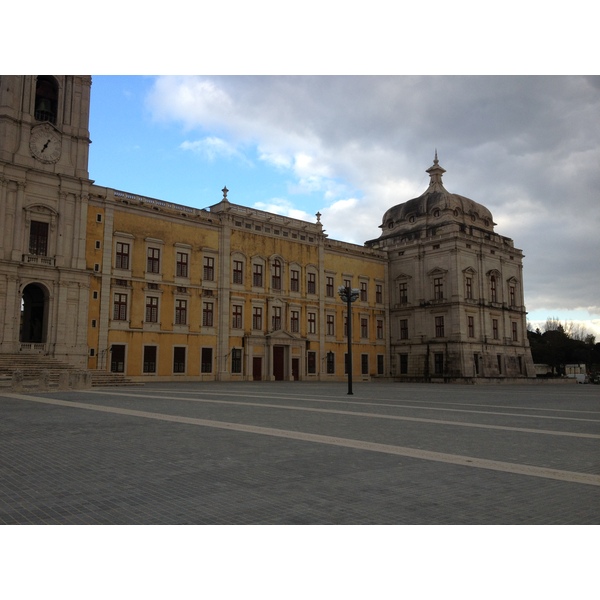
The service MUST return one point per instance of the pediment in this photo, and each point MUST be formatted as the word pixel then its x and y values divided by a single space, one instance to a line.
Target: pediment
pixel 281 334
pixel 402 276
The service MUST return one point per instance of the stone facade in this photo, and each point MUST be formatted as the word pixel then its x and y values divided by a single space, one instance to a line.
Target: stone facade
pixel 111 280
pixel 455 290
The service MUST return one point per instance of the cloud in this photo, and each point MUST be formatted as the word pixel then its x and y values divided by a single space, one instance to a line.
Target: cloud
pixel 525 147
pixel 280 206
pixel 211 148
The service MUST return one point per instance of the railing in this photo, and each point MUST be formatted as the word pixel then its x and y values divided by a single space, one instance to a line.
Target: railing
pixel 34 259
pixel 155 202
pixel 33 347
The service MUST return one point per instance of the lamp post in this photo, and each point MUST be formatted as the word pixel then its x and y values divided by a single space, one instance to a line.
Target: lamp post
pixel 349 295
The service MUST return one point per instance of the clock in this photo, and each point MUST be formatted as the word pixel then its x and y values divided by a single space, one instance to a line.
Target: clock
pixel 45 143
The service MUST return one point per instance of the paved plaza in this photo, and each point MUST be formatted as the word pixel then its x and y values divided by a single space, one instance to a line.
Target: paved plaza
pixel 301 453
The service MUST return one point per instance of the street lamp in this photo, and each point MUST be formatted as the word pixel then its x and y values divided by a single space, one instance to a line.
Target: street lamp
pixel 349 295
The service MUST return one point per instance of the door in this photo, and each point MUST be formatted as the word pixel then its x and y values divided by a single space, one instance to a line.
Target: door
pixel 296 368
pixel 117 358
pixel 278 362
pixel 257 368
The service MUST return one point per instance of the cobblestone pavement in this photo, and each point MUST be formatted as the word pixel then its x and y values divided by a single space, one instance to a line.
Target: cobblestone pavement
pixel 302 453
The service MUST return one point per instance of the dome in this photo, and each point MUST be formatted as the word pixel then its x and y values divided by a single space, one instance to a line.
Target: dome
pixel 436 206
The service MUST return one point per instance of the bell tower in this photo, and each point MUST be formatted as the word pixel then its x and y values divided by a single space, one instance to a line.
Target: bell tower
pixel 44 122
pixel 44 190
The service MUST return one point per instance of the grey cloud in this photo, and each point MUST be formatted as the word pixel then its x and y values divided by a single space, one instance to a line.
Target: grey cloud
pixel 507 142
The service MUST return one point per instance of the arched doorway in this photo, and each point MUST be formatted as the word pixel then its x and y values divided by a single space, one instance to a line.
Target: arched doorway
pixel 34 314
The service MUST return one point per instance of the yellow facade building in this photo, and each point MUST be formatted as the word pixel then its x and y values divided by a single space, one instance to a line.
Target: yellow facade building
pixel 229 293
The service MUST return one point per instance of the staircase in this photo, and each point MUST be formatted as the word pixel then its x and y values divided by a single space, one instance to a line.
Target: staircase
pixel 40 371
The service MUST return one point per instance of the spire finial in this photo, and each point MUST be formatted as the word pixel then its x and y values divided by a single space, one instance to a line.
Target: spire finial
pixel 435 171
pixel 225 190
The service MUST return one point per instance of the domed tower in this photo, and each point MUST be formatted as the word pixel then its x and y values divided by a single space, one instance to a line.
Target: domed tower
pixel 455 290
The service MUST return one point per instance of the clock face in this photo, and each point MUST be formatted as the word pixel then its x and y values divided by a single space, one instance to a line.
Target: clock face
pixel 45 144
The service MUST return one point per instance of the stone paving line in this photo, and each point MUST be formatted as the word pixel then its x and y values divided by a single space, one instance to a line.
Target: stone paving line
pixel 466 461
pixel 235 454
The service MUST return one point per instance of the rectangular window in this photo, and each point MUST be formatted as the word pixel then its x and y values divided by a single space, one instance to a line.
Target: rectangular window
pixel 495 332
pixel 469 288
pixel 178 359
pixel 403 329
pixel 182 264
pixel 206 360
pixel 364 364
pixel 151 309
pixel 404 364
pixel 330 363
pixel 347 283
pixel 149 359
pixel 207 314
pixel 295 321
pixel 329 287
pixel 180 312
pixel 120 307
pixel 238 272
pixel 438 288
pixel 257 318
pixel 364 328
pixel 295 280
pixel 311 362
pixel 236 360
pixel 330 324
pixel 38 238
pixel 515 335
pixel 236 317
pixel 153 262
pixel 257 276
pixel 403 290
pixel 493 289
pixel 209 268
pixel 363 291
pixel 379 293
pixel 276 276
pixel 312 322
pixel 276 318
pixel 512 295
pixel 379 329
pixel 122 256
pixel 439 327
pixel 380 364
pixel 471 326
pixel 312 283
pixel 438 363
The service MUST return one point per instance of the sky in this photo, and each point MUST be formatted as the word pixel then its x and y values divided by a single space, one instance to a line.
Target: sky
pixel 328 107
pixel 350 147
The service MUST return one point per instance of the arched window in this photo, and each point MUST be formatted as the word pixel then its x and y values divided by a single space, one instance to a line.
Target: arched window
pixel 46 99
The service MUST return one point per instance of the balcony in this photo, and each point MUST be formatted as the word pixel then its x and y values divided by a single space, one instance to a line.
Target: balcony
pixel 35 259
